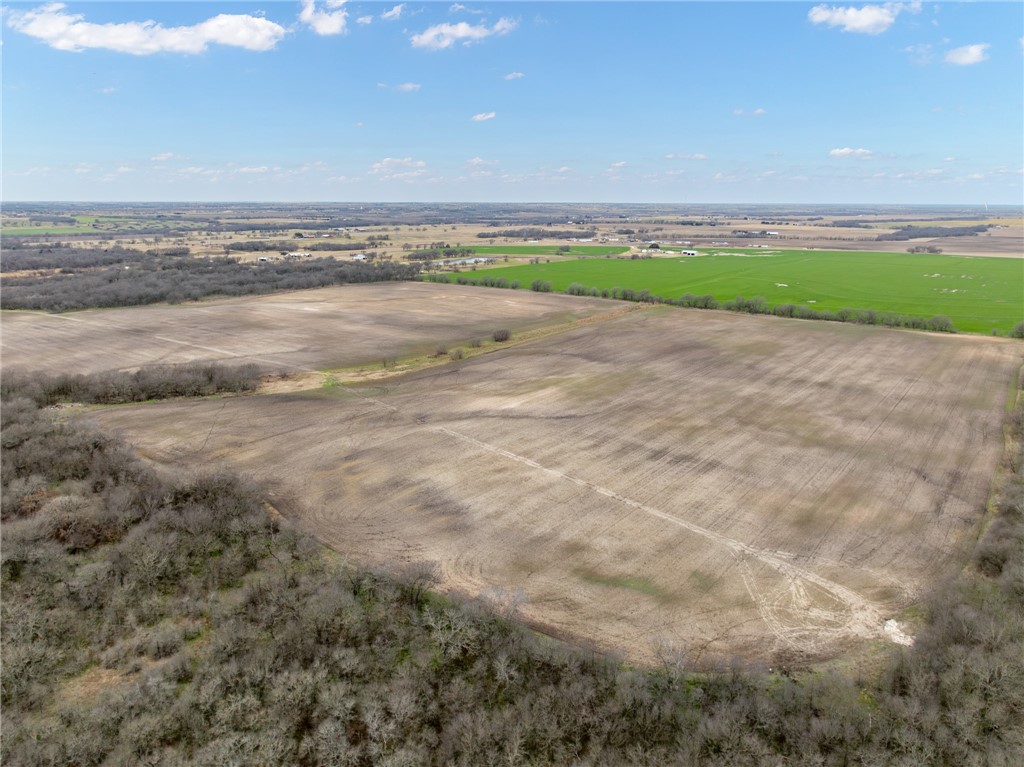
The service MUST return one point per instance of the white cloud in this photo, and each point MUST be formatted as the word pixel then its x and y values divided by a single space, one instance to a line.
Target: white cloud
pixel 69 32
pixel 563 169
pixel 480 162
pixel 460 8
pixel 388 163
pixel 125 169
pixel 513 75
pixel 441 36
pixel 394 14
pixel 408 87
pixel 163 157
pixel 920 53
pixel 324 23
pixel 968 54
pixel 361 20
pixel 108 90
pixel 254 169
pixel 868 19
pixel 755 113
pixel 859 153
pixel 484 116
pixel 398 168
pixel 687 156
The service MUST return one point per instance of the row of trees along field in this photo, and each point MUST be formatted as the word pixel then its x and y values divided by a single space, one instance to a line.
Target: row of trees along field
pixel 756 305
pixel 172 620
pixel 78 278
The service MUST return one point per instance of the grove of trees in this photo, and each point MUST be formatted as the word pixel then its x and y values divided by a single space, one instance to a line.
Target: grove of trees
pixel 120 277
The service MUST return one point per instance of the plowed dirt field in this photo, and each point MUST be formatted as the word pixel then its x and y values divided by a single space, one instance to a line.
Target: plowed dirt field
pixel 309 329
pixel 726 484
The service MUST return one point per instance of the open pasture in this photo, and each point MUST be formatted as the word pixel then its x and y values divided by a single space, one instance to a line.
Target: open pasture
pixel 725 484
pixel 978 294
pixel 312 329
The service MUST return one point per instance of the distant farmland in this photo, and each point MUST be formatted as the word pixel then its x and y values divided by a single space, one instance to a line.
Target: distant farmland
pixel 549 250
pixel 978 294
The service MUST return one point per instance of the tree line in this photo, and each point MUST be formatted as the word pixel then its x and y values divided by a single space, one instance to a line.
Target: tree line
pixel 283 246
pixel 912 232
pixel 192 379
pixel 432 254
pixel 756 305
pixel 531 233
pixel 152 277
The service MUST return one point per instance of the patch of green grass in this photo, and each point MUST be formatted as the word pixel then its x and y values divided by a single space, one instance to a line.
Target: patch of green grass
pixel 978 294
pixel 704 582
pixel 642 585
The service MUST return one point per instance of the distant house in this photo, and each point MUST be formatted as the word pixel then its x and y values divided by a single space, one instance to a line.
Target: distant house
pixel 359 257
pixel 298 254
pixel 689 252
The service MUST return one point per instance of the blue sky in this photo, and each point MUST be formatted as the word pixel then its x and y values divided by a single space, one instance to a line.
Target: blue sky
pixel 572 101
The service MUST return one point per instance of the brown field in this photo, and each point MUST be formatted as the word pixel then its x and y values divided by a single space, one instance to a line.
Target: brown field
pixel 721 483
pixel 321 329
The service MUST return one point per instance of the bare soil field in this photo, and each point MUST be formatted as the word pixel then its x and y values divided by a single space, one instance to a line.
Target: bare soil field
pixel 724 484
pixel 313 329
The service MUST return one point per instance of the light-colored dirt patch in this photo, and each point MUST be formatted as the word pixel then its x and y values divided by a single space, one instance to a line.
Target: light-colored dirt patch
pixel 737 485
pixel 88 686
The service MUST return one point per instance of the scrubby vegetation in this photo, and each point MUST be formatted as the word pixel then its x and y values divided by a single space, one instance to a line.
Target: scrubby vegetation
pixel 156 620
pixel 86 280
pixel 58 256
pixel 194 379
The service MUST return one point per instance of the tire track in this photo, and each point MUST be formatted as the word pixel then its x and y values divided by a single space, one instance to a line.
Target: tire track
pixel 864 619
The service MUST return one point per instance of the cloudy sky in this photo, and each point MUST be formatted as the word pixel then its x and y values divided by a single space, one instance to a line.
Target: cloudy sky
pixel 514 101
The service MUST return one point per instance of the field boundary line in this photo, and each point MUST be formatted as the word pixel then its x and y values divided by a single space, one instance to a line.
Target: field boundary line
pixel 350 376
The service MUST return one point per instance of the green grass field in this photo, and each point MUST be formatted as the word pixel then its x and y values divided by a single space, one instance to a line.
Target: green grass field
pixel 978 294
pixel 547 250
